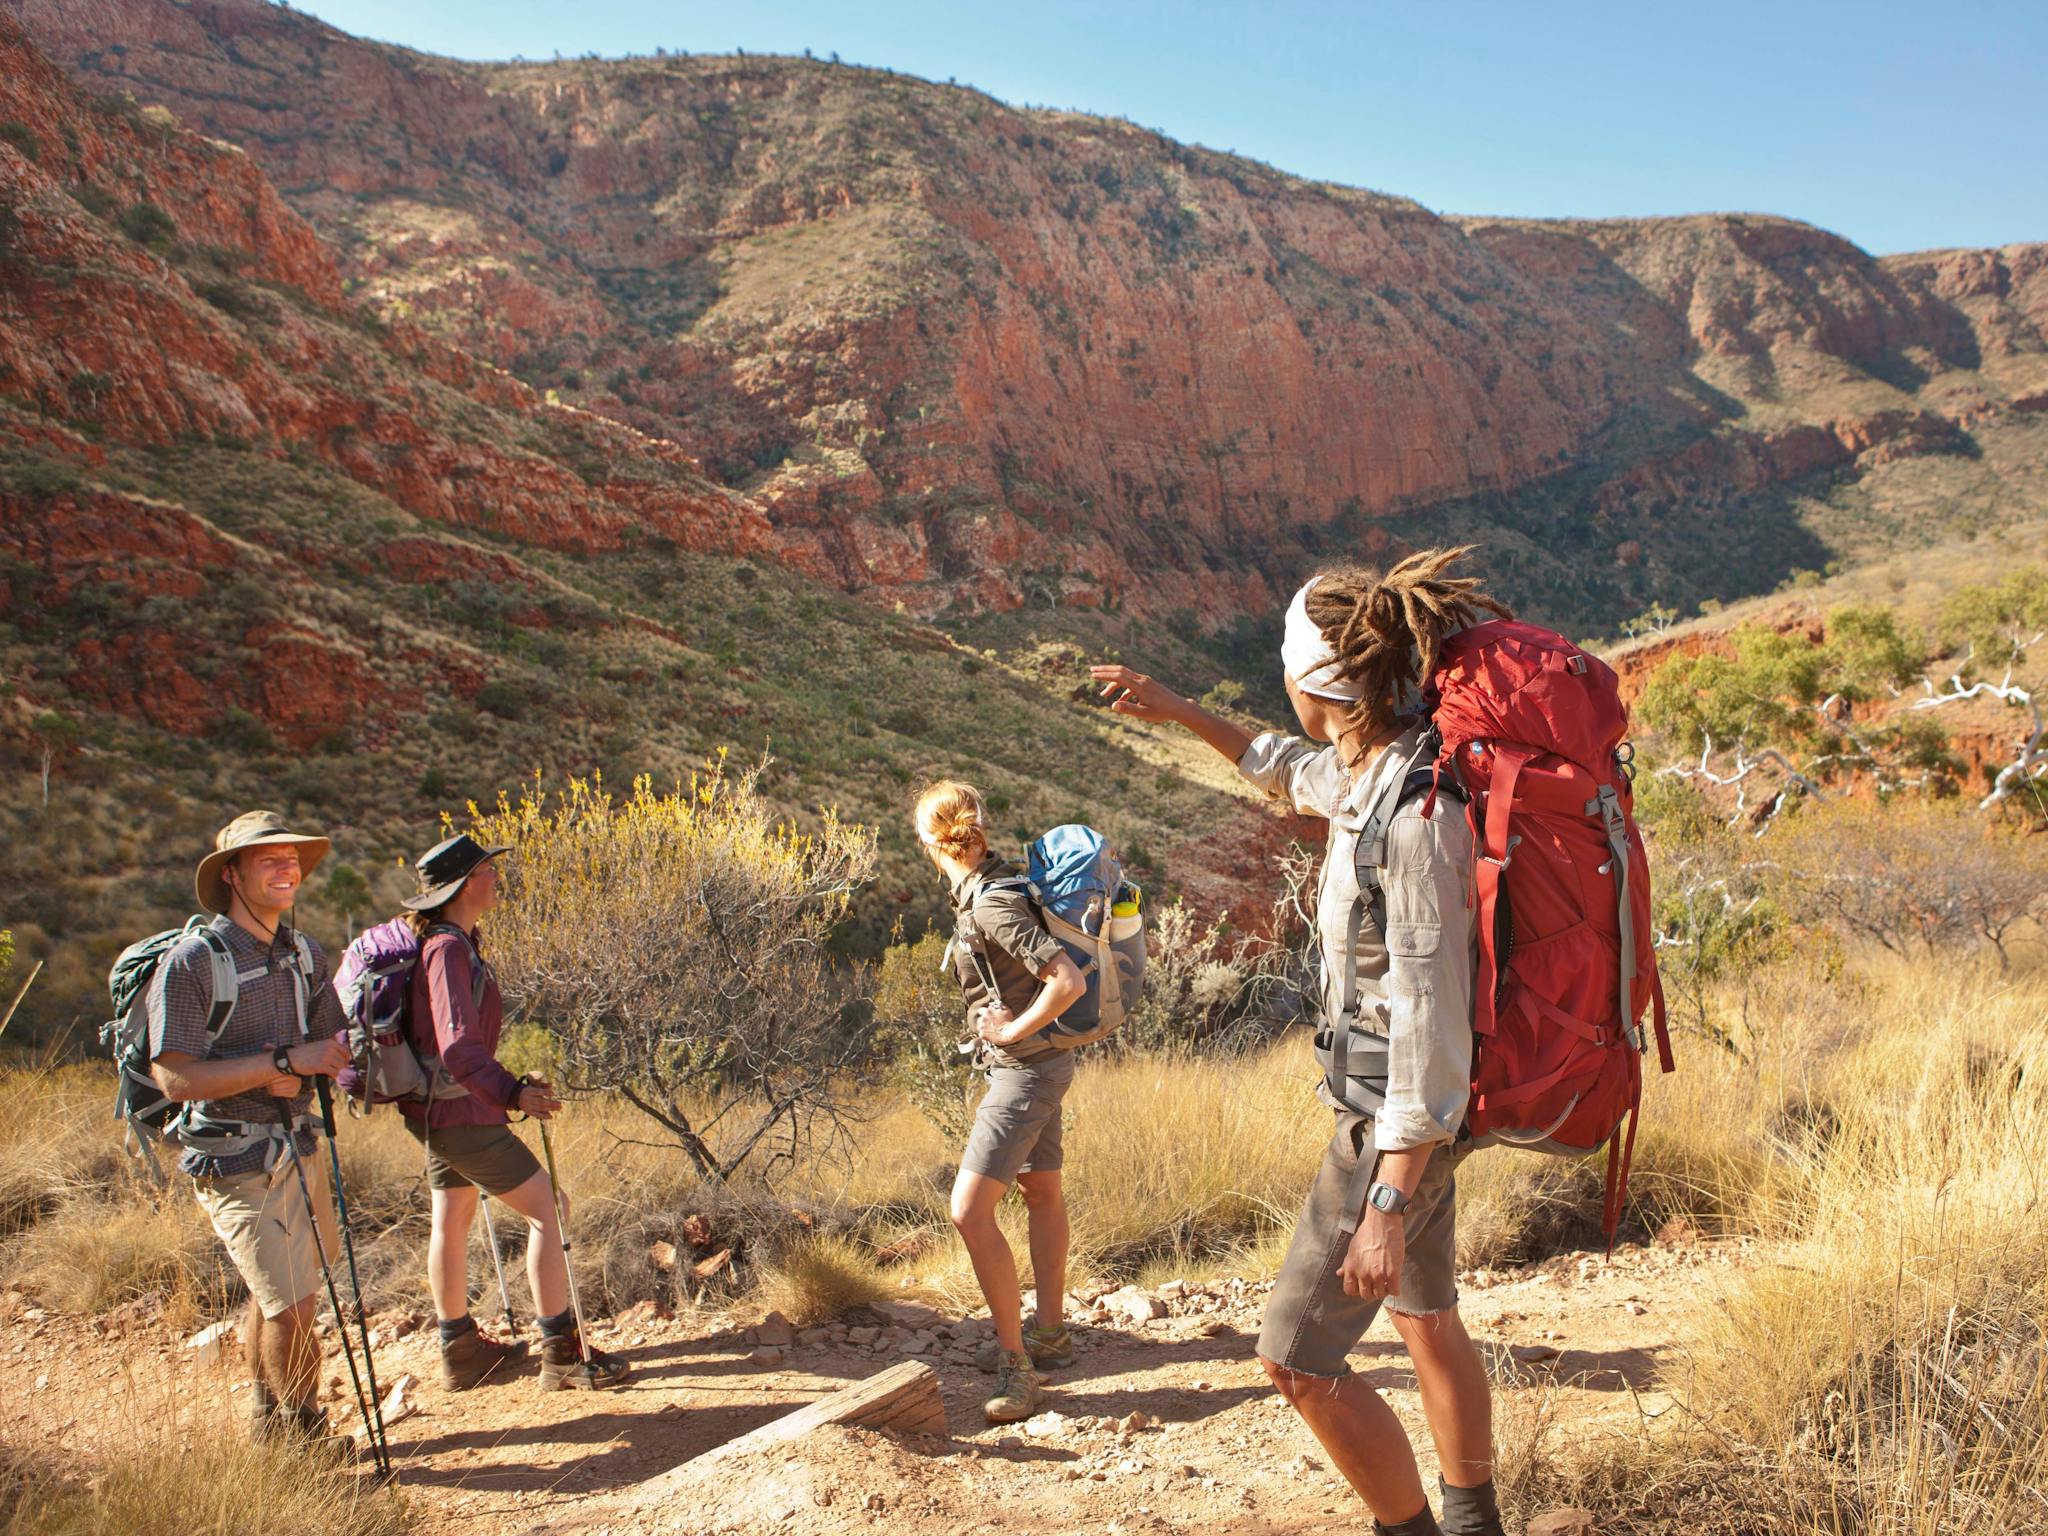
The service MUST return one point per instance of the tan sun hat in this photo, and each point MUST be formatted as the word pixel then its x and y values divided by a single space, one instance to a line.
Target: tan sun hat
pixel 251 829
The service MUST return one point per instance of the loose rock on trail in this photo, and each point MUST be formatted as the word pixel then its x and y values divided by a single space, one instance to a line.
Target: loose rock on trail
pixel 1164 1423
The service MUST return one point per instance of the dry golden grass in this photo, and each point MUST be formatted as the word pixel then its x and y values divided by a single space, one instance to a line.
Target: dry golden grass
pixel 207 1480
pixel 1881 1129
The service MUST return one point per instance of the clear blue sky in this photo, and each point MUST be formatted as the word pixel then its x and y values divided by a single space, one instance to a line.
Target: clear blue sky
pixel 1902 126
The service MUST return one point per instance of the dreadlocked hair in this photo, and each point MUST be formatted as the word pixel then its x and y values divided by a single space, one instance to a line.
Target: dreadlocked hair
pixel 1387 630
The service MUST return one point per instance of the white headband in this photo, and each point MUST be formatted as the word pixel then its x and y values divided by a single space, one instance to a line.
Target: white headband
pixel 1310 660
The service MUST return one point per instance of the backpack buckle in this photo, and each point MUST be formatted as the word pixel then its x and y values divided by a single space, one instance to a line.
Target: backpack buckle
pixel 1505 859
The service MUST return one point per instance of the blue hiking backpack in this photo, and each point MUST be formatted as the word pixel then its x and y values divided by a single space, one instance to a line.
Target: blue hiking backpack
pixel 1077 883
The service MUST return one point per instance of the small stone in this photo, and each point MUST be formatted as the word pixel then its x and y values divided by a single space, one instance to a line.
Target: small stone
pixel 862 1335
pixel 767 1354
pixel 908 1315
pixel 209 1344
pixel 669 1411
pixel 1136 1420
pixel 774 1329
pixel 1533 1354
pixel 1634 1308
pixel 1047 1423
pixel 1303 1465
pixel 916 1344
pixel 815 1336
pixel 1010 1442
pixel 1563 1522
pixel 1215 1328
pixel 1134 1305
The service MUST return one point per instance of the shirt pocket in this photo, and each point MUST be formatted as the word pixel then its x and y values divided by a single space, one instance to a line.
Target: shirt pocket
pixel 1414 940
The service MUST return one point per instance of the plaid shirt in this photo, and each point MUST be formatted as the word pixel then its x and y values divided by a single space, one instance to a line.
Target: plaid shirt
pixel 265 1016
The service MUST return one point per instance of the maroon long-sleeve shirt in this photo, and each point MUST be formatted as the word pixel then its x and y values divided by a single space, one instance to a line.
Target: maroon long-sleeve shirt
pixel 466 1032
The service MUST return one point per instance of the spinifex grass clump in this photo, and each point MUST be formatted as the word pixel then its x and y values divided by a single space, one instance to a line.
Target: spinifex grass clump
pixel 675 941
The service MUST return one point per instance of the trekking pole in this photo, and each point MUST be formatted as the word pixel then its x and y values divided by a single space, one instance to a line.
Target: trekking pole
pixel 381 1442
pixel 498 1262
pixel 547 1147
pixel 291 1145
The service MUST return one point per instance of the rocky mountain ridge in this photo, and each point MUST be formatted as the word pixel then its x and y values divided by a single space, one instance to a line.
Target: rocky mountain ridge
pixel 969 357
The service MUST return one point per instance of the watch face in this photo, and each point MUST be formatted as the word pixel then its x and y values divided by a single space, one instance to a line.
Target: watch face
pixel 1385 1197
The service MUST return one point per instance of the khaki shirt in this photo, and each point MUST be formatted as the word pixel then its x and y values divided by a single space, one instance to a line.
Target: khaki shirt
pixel 1418 986
pixel 1015 948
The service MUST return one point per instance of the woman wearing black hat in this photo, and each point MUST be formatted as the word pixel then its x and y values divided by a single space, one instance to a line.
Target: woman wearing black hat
pixel 468 1137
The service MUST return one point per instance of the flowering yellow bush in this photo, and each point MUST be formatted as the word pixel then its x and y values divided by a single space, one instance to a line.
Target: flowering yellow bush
pixel 674 941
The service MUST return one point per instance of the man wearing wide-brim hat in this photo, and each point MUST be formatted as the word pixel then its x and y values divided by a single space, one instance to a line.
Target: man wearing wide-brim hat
pixel 457 1015
pixel 241 1073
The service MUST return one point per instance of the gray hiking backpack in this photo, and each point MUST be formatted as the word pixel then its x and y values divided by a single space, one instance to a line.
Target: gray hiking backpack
pixel 138 1102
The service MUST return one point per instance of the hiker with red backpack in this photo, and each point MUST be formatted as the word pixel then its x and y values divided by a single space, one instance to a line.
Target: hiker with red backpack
pixel 1483 922
pixel 444 1021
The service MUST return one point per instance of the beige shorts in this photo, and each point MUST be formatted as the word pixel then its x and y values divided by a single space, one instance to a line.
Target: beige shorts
pixel 261 1218
pixel 1311 1325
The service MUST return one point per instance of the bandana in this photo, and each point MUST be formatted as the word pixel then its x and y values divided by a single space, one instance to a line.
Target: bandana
pixel 1310 661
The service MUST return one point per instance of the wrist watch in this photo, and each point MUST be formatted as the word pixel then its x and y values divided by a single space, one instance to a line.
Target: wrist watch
pixel 281 1058
pixel 1386 1198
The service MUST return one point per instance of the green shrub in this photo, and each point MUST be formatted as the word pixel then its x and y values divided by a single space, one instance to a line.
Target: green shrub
pixel 504 698
pixel 17 133
pixel 146 224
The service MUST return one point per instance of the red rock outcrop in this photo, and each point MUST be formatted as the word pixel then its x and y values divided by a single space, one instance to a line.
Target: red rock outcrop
pixel 963 354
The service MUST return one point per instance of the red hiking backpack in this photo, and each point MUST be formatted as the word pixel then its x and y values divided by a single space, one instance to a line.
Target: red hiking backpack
pixel 1529 733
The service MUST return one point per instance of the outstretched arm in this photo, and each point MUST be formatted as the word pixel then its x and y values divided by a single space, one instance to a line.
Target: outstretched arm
pixel 1133 693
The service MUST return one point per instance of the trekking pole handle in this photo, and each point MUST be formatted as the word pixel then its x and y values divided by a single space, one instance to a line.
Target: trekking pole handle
pixel 325 1094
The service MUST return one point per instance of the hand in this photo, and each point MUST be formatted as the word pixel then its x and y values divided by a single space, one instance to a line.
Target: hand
pixel 1133 693
pixel 994 1025
pixel 536 1098
pixel 285 1087
pixel 1372 1264
pixel 319 1058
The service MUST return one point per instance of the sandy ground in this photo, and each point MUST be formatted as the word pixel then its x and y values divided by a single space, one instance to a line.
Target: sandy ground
pixel 1213 1449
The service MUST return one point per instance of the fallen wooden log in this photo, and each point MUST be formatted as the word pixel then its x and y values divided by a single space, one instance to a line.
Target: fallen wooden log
pixel 905 1398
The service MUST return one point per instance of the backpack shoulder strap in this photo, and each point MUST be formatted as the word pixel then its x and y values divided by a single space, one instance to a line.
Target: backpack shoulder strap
pixel 226 984
pixel 477 968
pixel 1370 856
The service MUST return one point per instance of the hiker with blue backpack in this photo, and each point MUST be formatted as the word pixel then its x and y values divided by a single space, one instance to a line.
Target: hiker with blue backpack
pixel 426 1019
pixel 239 1020
pixel 1482 918
pixel 1031 1003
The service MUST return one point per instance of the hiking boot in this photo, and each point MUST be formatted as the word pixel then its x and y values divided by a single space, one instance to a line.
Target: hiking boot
pixel 470 1356
pixel 1018 1390
pixel 1049 1350
pixel 562 1366
pixel 304 1428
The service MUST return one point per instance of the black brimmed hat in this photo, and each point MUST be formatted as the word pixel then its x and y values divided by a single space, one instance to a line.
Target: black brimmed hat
pixel 443 868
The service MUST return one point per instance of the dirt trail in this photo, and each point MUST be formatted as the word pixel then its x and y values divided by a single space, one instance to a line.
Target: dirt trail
pixel 1213 1450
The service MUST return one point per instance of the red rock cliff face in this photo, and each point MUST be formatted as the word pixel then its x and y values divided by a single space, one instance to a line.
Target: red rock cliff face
pixel 157 290
pixel 968 355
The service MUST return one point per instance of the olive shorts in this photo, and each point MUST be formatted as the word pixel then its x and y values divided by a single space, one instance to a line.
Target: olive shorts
pixel 1311 1325
pixel 1017 1129
pixel 262 1220
pixel 489 1156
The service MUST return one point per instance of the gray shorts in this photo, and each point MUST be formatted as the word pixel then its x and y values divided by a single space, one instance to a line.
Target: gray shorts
pixel 1017 1128
pixel 489 1156
pixel 1311 1324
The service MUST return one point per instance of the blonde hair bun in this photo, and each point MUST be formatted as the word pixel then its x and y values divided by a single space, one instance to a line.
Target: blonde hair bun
pixel 950 817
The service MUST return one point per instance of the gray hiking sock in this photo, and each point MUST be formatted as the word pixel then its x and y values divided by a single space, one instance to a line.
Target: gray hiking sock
pixel 560 1326
pixel 262 1401
pixel 453 1328
pixel 1471 1511
pixel 1421 1523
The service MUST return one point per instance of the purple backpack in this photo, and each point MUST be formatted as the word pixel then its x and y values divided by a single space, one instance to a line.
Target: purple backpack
pixel 374 982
